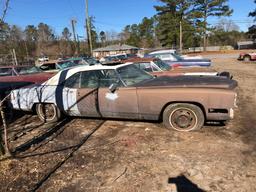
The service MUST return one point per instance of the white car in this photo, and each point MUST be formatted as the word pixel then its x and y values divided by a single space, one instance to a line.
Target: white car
pixel 171 55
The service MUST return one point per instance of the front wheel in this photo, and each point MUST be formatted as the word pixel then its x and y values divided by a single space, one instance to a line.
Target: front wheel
pixel 48 113
pixel 183 117
pixel 247 58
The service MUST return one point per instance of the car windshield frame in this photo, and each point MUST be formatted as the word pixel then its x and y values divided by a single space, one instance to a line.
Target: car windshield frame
pixel 178 57
pixel 162 65
pixel 132 75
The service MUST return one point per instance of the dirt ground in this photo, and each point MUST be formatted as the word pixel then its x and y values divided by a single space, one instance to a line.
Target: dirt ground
pixel 120 156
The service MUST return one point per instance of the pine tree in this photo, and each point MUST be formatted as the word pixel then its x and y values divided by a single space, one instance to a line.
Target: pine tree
pixel 170 16
pixel 203 9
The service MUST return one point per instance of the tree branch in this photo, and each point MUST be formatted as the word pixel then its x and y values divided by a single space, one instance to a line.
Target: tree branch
pixel 5 10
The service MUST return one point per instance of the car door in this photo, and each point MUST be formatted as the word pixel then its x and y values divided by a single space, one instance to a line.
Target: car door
pixel 121 103
pixel 87 94
pixel 80 93
pixel 69 95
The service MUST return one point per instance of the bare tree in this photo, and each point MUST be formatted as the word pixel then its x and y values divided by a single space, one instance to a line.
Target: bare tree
pixel 6 6
pixel 227 25
pixel 4 149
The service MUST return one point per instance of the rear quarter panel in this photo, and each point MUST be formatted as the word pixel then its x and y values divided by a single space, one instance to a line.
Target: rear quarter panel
pixel 152 101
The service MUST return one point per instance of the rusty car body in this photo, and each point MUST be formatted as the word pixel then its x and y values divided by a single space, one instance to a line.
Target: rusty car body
pixel 183 103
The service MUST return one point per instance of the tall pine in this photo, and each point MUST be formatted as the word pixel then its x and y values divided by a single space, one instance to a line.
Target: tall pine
pixel 170 15
pixel 203 9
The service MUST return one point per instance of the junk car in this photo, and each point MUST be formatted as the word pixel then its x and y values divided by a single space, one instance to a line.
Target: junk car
pixel 124 91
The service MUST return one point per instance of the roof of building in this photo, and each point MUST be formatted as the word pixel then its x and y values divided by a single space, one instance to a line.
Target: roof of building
pixel 116 47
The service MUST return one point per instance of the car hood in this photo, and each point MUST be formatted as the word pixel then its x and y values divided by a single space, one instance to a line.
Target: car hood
pixel 190 81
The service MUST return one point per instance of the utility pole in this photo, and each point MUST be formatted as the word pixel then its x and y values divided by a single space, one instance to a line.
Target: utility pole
pixel 88 27
pixel 181 37
pixel 14 57
pixel 78 44
pixel 73 22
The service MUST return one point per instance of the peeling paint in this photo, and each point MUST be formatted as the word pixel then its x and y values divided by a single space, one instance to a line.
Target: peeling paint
pixel 111 96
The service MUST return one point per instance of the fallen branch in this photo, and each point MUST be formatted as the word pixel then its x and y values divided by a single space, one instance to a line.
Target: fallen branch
pixel 6 151
pixel 120 175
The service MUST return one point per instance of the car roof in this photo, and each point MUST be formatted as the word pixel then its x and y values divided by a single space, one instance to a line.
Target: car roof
pixel 71 71
pixel 96 67
pixel 163 51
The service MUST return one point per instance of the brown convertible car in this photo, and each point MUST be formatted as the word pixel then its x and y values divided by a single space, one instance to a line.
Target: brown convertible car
pixel 183 103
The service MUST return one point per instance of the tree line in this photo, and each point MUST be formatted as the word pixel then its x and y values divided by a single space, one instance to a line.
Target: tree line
pixel 192 17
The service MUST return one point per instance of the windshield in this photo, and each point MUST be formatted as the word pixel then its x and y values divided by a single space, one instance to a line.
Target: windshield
pixel 131 75
pixel 28 70
pixel 162 65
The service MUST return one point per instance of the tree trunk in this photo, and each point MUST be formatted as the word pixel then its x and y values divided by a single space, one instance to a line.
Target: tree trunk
pixel 2 151
pixel 1 144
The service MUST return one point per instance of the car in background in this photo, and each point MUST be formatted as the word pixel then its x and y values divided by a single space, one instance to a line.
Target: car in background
pixel 158 67
pixel 82 60
pixel 171 53
pixel 125 56
pixel 175 60
pixel 109 59
pixel 183 103
pixel 13 77
pixel 57 65
pixel 54 67
pixel 30 74
pixel 247 56
pixel 43 59
pixel 116 58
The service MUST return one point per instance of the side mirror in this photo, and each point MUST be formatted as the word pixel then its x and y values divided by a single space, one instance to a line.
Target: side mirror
pixel 113 87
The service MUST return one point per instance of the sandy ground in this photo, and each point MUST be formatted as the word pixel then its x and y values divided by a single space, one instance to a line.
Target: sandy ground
pixel 94 155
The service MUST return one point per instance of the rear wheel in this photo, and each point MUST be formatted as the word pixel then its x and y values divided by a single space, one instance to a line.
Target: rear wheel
pixel 183 117
pixel 48 113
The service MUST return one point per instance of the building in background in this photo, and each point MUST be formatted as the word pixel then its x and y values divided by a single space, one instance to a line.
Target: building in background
pixel 246 45
pixel 114 50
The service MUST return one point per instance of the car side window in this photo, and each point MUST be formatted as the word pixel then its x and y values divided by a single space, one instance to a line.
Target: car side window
pixel 145 66
pixel 73 81
pixel 93 79
pixel 89 79
pixel 98 78
pixel 108 77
